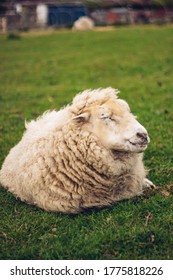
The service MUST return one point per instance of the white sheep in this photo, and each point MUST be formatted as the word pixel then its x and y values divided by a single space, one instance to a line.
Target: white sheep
pixel 83 24
pixel 88 154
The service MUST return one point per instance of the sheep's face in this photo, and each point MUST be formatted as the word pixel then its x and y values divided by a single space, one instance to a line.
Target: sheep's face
pixel 116 128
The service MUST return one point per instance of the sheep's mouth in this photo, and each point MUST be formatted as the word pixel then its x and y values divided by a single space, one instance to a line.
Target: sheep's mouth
pixel 139 144
pixel 142 144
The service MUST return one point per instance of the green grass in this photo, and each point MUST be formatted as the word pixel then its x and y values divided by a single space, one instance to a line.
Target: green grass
pixel 41 72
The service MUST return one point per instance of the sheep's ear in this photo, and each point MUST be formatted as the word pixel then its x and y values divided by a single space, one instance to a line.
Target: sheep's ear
pixel 84 117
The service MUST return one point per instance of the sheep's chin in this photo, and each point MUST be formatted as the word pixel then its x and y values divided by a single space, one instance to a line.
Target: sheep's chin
pixel 119 152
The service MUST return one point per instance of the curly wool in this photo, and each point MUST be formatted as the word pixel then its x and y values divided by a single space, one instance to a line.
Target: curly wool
pixel 61 166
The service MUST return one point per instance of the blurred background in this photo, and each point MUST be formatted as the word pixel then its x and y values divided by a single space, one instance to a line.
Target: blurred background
pixel 23 15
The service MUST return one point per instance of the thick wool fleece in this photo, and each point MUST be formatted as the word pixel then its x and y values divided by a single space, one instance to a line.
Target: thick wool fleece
pixel 60 166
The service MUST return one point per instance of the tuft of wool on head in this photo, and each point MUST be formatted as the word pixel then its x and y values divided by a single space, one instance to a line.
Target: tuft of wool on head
pixel 89 97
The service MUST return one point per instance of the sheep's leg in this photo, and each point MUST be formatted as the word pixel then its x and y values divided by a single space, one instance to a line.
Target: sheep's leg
pixel 147 184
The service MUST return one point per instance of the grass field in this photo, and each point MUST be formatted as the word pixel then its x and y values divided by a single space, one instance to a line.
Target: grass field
pixel 41 72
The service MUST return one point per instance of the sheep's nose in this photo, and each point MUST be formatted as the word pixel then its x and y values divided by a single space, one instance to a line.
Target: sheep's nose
pixel 143 136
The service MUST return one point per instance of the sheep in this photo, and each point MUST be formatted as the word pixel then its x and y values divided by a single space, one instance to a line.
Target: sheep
pixel 88 154
pixel 83 23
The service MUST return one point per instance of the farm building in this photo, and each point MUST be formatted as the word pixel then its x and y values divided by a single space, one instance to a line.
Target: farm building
pixel 25 14
pixel 28 14
pixel 131 12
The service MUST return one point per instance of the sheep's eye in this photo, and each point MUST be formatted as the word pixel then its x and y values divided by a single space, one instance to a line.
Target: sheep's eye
pixel 105 117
